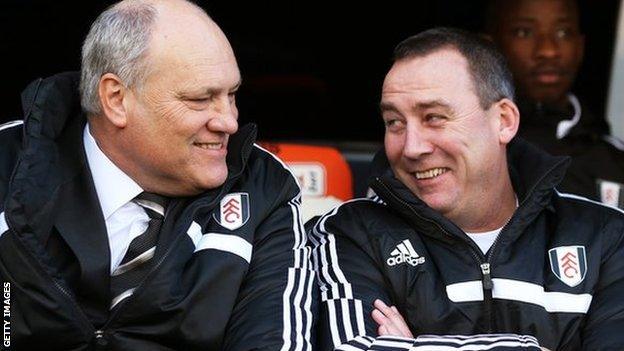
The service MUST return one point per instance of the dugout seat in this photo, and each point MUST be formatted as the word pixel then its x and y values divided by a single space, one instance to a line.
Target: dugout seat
pixel 323 174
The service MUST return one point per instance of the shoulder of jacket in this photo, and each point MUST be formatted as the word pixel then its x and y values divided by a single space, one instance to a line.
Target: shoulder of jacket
pixel 361 210
pixel 10 146
pixel 10 138
pixel 11 124
pixel 264 161
pixel 11 127
pixel 590 206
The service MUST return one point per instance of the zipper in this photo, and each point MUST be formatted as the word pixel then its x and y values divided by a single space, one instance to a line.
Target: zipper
pixel 487 296
pixel 483 264
pixel 487 282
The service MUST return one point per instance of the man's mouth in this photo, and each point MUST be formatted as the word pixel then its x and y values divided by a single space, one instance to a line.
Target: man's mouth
pixel 430 173
pixel 548 78
pixel 548 75
pixel 209 146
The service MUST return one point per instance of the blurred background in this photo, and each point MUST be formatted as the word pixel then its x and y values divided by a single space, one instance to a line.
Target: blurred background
pixel 312 70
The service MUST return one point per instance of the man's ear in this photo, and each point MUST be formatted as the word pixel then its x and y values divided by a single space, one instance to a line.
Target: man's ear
pixel 509 120
pixel 112 93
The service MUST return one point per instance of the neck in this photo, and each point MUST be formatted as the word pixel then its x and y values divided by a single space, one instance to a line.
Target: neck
pixel 492 209
pixel 112 143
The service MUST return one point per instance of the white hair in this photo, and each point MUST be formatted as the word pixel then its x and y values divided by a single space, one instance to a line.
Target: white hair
pixel 117 43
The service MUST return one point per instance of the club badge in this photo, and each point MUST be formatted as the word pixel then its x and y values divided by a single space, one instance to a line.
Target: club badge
pixel 569 264
pixel 610 193
pixel 233 211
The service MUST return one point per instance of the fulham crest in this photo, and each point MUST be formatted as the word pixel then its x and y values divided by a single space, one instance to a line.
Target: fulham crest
pixel 233 211
pixel 569 264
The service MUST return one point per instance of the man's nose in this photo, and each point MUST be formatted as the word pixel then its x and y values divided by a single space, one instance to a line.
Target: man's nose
pixel 546 46
pixel 418 142
pixel 224 118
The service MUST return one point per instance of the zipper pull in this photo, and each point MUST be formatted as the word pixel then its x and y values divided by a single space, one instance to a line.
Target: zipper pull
pixel 100 339
pixel 487 278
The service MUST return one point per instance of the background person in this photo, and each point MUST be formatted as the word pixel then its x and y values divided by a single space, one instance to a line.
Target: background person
pixel 544 45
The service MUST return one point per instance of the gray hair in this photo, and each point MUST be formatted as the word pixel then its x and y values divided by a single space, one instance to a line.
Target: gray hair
pixel 117 43
pixel 490 75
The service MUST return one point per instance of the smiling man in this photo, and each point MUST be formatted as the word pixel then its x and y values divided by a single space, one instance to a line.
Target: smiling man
pixel 135 214
pixel 544 45
pixel 466 244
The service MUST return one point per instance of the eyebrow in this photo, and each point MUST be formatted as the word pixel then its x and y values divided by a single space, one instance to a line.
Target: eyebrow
pixel 563 18
pixel 384 106
pixel 210 90
pixel 425 105
pixel 433 104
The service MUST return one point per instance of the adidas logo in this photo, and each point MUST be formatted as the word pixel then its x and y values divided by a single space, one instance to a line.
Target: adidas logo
pixel 405 252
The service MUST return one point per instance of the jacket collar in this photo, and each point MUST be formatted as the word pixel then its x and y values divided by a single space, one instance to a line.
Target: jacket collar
pixel 539 117
pixel 534 175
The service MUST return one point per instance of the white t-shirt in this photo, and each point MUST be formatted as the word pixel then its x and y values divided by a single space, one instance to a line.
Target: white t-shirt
pixel 486 239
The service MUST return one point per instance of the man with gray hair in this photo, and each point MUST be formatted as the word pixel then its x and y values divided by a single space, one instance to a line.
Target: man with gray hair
pixel 135 214
pixel 466 234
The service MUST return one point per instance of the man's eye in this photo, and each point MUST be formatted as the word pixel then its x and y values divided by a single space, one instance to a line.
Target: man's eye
pixel 434 118
pixel 562 33
pixel 199 100
pixel 392 123
pixel 522 32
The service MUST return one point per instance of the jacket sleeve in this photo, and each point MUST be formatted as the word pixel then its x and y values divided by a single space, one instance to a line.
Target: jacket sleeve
pixel 350 281
pixel 605 320
pixel 277 301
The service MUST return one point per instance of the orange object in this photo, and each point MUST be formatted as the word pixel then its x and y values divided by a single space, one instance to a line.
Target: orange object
pixel 321 170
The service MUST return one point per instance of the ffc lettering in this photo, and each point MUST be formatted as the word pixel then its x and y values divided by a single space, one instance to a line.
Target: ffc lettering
pixel 232 209
pixel 569 264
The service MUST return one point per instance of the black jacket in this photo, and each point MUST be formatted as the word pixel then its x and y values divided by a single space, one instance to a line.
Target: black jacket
pixel 596 159
pixel 394 247
pixel 212 288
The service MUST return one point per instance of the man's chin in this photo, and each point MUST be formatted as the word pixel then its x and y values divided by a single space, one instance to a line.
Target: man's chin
pixel 438 202
pixel 209 178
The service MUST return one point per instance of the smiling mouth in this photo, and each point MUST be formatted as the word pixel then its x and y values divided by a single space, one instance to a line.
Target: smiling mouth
pixel 430 173
pixel 209 146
